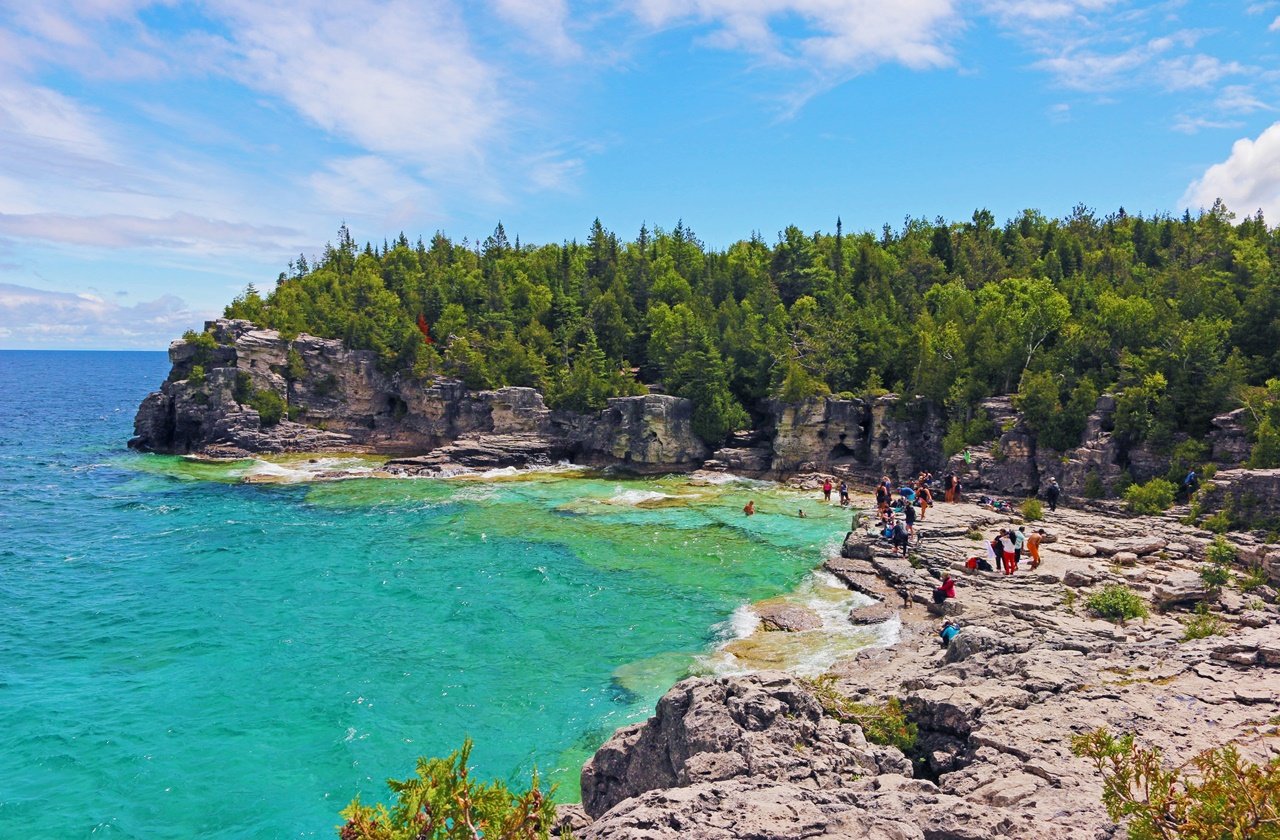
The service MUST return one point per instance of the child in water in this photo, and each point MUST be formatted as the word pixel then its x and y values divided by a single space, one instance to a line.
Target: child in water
pixel 750 508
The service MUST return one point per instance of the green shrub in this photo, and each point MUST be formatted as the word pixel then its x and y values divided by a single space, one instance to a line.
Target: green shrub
pixel 1123 482
pixel 1117 602
pixel 882 723
pixel 294 368
pixel 1215 796
pixel 443 802
pixel 1032 510
pixel 1156 496
pixel 1256 577
pixel 269 405
pixel 203 343
pixel 1093 488
pixel 974 534
pixel 1215 576
pixel 1219 522
pixel 196 376
pixel 1220 552
pixel 1202 625
pixel 243 390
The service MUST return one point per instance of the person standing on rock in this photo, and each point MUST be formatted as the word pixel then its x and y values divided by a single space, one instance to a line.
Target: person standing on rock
pixel 925 495
pixel 826 490
pixel 844 493
pixel 1006 552
pixel 901 538
pixel 1033 546
pixel 1053 493
pixel 949 488
pixel 1019 540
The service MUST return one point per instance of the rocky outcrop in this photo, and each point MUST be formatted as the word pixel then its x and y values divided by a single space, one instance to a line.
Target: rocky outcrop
pixel 341 399
pixel 756 756
pixel 1250 498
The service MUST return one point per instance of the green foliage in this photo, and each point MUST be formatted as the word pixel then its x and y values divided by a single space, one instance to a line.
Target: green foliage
pixel 1254 578
pixel 1219 522
pixel 1202 625
pixel 196 376
pixel 269 405
pixel 1156 496
pixel 1093 488
pixel 1032 510
pixel 204 344
pixel 1215 576
pixel 1215 796
pixel 1176 318
pixel 974 534
pixel 1117 602
pixel 443 802
pixel 882 723
pixel 294 368
pixel 1220 552
pixel 243 390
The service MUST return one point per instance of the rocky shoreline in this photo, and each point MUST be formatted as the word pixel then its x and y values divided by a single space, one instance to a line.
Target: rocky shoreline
pixel 757 756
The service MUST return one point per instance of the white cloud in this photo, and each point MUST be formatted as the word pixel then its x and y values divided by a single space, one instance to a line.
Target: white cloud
pixel 1239 99
pixel 1185 124
pixel 1275 25
pixel 34 318
pixel 838 36
pixel 396 78
pixel 177 232
pixel 369 187
pixel 1247 180
pixel 544 21
pixel 1196 71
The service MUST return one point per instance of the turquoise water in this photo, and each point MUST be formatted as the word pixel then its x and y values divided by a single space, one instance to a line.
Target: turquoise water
pixel 183 653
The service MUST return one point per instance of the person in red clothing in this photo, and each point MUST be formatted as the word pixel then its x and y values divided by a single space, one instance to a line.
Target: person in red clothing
pixel 826 490
pixel 946 590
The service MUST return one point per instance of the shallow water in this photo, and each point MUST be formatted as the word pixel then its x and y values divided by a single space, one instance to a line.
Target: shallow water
pixel 233 650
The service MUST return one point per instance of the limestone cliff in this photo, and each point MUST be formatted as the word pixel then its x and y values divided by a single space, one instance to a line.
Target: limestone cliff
pixel 339 399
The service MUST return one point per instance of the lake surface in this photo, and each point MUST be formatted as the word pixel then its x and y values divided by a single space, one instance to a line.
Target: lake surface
pixel 186 653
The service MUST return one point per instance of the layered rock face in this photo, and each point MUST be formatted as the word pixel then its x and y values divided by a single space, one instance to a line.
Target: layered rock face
pixel 338 399
pixel 341 399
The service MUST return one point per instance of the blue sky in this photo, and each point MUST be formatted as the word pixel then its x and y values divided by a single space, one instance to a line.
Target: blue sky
pixel 155 157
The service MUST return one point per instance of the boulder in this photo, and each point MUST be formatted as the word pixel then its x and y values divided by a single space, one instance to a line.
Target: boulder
pixel 872 614
pixel 790 618
pixel 1180 590
pixel 765 726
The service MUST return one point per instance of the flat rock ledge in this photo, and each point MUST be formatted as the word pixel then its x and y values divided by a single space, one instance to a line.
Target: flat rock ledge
pixel 756 756
pixel 790 618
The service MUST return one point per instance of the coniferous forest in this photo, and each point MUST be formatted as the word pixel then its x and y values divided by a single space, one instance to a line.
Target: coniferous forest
pixel 1179 317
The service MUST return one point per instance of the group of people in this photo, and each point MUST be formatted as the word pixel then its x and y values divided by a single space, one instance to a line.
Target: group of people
pixel 1005 551
pixel 844 492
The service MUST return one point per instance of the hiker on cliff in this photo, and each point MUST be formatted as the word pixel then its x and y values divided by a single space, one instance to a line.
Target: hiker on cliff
pixel 1033 546
pixel 749 508
pixel 1053 493
pixel 945 590
pixel 1190 485
pixel 826 490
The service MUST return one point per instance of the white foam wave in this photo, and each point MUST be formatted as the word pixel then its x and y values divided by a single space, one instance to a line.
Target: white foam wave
pixel 637 497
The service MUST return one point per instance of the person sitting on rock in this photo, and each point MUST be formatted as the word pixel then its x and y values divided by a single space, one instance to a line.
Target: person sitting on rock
pixel 947 589
pixel 950 629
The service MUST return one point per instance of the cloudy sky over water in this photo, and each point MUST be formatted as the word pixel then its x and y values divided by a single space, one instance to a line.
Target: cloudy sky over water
pixel 156 157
